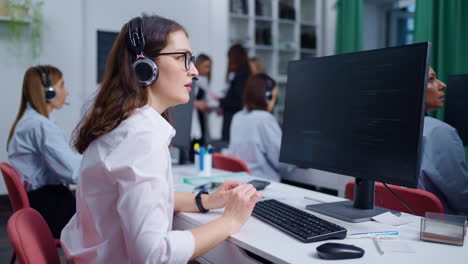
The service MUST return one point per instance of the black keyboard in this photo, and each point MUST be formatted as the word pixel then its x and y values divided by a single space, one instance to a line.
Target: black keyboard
pixel 299 224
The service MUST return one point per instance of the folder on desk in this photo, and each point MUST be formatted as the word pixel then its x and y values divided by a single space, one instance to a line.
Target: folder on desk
pixel 238 176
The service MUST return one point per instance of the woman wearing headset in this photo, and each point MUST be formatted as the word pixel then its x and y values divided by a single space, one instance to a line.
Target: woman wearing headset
pixel 444 171
pixel 255 133
pixel 39 150
pixel 125 196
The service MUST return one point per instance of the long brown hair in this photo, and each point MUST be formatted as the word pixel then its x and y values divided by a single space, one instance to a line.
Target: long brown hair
pixel 257 85
pixel 34 93
pixel 237 59
pixel 120 93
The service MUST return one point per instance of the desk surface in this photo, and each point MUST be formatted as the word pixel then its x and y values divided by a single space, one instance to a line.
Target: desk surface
pixel 278 247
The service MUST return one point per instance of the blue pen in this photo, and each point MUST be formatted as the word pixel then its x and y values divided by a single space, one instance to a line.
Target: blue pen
pixel 381 235
pixel 202 157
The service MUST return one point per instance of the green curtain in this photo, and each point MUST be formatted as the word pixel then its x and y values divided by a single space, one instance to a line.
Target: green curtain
pixel 349 26
pixel 445 24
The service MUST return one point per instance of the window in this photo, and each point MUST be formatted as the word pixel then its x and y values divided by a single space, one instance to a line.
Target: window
pixel 401 26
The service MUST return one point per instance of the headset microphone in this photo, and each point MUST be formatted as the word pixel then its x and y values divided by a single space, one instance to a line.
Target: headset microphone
pixel 195 78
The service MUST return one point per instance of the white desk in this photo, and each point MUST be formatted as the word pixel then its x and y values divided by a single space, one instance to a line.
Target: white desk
pixel 278 247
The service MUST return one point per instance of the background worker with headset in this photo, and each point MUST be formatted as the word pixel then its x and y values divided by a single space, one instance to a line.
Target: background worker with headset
pixel 39 150
pixel 444 171
pixel 255 133
pixel 126 198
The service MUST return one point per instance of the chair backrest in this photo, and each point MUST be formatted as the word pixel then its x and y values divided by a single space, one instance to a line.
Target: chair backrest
pixel 16 191
pixel 31 238
pixel 229 163
pixel 420 200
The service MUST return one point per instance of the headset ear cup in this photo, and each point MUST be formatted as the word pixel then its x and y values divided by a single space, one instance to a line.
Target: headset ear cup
pixel 146 70
pixel 50 93
pixel 268 96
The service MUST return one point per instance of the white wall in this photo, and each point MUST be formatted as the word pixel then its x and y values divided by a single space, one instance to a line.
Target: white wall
pixel 69 40
pixel 61 48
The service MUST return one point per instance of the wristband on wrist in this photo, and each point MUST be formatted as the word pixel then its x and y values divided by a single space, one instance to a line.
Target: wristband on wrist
pixel 199 202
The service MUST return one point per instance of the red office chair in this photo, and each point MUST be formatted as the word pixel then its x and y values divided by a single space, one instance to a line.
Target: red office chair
pixel 229 163
pixel 31 238
pixel 420 200
pixel 16 193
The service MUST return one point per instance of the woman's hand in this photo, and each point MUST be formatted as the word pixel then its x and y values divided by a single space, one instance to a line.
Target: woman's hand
pixel 240 205
pixel 219 198
pixel 200 105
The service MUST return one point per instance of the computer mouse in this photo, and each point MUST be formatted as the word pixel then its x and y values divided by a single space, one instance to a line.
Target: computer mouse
pixel 339 251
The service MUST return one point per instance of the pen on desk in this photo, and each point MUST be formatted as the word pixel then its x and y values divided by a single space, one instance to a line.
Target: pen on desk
pixel 210 149
pixel 312 199
pixel 202 158
pixel 377 245
pixel 381 235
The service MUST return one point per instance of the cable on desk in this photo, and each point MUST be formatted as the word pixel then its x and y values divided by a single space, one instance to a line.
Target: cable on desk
pixel 403 202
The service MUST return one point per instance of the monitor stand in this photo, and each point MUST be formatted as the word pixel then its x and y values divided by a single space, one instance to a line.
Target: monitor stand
pixel 179 156
pixel 183 156
pixel 362 209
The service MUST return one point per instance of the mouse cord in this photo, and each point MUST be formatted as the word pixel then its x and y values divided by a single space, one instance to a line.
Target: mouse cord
pixel 403 202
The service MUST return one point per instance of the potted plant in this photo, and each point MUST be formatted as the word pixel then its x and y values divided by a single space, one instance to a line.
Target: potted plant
pixel 26 19
pixel 3 8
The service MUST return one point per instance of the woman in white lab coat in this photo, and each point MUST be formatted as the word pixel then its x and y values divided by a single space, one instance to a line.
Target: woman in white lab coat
pixel 125 196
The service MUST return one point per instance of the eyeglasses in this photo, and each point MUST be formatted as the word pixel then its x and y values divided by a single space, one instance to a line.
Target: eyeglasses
pixel 188 58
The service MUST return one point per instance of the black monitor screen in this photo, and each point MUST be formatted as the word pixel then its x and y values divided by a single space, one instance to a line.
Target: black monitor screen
pixel 180 117
pixel 456 113
pixel 358 114
pixel 105 40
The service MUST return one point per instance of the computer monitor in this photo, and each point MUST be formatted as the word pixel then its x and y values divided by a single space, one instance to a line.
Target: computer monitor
pixel 357 114
pixel 180 117
pixel 456 113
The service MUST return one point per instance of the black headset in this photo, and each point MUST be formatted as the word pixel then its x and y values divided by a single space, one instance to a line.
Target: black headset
pixel 146 69
pixel 270 84
pixel 50 92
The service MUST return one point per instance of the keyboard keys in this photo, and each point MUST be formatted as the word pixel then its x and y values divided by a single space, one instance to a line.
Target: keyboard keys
pixel 301 225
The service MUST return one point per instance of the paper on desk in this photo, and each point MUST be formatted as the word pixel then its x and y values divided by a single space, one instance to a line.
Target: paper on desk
pixel 240 176
pixel 391 219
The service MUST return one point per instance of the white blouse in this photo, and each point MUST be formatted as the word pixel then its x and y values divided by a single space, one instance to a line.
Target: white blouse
pixel 256 139
pixel 125 198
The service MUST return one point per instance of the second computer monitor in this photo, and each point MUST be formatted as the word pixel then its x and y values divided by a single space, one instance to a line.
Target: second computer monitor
pixel 456 113
pixel 358 114
pixel 180 117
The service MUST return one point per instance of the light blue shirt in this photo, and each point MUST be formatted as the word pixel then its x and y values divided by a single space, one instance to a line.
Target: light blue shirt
pixel 443 168
pixel 40 153
pixel 256 139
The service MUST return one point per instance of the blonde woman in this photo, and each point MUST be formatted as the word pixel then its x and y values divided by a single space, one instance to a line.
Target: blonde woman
pixel 39 150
